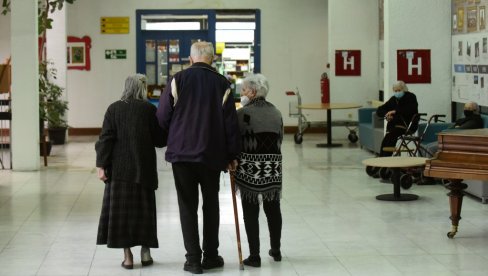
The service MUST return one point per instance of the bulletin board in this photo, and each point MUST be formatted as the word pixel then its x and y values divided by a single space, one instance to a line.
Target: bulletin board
pixel 469 51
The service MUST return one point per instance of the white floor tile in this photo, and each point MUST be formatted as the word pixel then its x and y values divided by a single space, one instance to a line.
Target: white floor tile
pixel 332 223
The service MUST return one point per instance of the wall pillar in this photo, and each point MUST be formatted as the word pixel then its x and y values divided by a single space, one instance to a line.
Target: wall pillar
pixel 25 86
pixel 420 24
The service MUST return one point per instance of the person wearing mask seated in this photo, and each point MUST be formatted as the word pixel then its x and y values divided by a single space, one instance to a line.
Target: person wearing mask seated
pixel 471 120
pixel 399 111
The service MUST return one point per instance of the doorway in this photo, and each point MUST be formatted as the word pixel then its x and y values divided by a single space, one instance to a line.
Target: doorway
pixel 164 38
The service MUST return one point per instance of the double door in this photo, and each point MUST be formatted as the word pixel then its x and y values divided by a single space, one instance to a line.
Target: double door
pixel 165 54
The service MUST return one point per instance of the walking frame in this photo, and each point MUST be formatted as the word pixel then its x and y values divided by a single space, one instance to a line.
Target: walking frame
pixel 411 144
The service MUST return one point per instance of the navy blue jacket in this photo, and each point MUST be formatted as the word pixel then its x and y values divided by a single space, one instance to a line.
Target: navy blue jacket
pixel 197 110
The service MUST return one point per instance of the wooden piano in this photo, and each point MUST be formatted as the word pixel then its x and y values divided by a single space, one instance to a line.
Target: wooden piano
pixel 462 155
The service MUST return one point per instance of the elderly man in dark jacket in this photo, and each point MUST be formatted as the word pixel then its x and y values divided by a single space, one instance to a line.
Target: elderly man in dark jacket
pixel 198 111
pixel 399 111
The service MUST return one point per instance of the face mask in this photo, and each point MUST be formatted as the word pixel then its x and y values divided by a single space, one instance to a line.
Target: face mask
pixel 244 100
pixel 468 113
pixel 398 95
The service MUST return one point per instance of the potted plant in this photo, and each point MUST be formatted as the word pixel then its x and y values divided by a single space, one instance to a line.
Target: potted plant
pixel 52 106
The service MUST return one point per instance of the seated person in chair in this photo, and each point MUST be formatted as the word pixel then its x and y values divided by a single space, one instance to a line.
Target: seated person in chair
pixel 399 111
pixel 471 120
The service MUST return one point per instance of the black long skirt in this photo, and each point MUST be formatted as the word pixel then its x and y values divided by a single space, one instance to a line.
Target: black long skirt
pixel 128 216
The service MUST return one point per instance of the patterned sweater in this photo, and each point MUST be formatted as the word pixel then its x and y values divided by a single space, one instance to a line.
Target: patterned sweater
pixel 258 175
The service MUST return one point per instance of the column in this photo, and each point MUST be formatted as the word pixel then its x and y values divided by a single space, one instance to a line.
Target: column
pixel 25 87
pixel 420 24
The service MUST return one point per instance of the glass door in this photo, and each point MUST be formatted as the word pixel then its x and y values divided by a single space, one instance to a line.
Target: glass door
pixel 165 55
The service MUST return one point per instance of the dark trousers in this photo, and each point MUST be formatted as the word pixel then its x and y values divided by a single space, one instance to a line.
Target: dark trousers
pixel 187 178
pixel 251 221
pixel 390 140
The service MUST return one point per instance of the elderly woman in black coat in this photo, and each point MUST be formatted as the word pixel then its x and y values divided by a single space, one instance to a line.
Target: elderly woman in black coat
pixel 399 111
pixel 126 162
pixel 258 175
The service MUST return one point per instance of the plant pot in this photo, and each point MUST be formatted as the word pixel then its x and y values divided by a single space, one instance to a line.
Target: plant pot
pixel 57 135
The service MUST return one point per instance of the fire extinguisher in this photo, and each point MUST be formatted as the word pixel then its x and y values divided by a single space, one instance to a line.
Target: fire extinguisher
pixel 324 88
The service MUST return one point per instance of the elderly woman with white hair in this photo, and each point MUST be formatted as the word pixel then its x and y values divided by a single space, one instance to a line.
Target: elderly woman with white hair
pixel 259 173
pixel 399 111
pixel 126 162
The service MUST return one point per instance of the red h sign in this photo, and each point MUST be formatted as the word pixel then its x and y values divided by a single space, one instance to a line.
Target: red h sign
pixel 348 63
pixel 413 66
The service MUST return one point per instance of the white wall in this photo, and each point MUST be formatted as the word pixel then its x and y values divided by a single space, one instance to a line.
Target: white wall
pixel 25 86
pixel 4 37
pixel 353 25
pixel 293 50
pixel 420 24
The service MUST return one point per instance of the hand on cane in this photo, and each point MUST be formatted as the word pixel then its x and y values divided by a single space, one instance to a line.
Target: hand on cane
pixel 232 166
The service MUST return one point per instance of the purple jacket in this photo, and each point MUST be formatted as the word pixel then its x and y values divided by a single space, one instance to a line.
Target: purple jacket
pixel 197 110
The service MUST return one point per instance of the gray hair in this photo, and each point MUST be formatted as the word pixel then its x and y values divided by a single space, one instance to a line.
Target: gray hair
pixel 257 83
pixel 471 106
pixel 135 88
pixel 202 49
pixel 400 85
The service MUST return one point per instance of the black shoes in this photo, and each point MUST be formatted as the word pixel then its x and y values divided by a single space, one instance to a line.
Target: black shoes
pixel 195 268
pixel 276 254
pixel 209 263
pixel 253 260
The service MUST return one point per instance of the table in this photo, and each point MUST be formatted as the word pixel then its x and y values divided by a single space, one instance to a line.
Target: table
pixel 396 164
pixel 329 107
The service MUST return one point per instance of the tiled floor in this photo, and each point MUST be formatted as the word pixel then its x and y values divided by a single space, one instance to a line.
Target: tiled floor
pixel 333 225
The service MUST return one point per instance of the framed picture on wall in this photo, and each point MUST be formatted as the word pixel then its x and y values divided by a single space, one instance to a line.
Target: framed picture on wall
pixel 460 19
pixel 78 53
pixel 472 17
pixel 482 17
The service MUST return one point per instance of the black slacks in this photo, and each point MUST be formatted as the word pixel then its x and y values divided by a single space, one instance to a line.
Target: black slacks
pixel 390 140
pixel 187 177
pixel 251 222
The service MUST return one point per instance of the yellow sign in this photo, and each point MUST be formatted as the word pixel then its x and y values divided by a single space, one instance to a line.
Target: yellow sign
pixel 114 25
pixel 219 47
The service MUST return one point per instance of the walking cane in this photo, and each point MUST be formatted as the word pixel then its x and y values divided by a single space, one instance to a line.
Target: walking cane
pixel 236 220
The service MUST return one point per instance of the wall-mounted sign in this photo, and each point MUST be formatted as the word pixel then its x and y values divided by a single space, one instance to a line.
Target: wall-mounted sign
pixel 413 66
pixel 114 25
pixel 348 62
pixel 78 53
pixel 115 54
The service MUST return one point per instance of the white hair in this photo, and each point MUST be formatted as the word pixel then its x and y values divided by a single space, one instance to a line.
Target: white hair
pixel 472 106
pixel 257 83
pixel 135 88
pixel 202 49
pixel 400 85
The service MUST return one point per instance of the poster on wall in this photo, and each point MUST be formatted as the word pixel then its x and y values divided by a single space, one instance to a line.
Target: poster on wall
pixel 482 18
pixel 460 19
pixel 413 65
pixel 348 62
pixel 472 16
pixel 469 52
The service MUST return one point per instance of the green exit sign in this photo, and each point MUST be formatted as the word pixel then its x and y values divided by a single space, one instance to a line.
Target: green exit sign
pixel 115 54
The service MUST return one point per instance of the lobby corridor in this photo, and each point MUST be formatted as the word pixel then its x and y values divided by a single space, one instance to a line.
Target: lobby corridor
pixel 332 223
